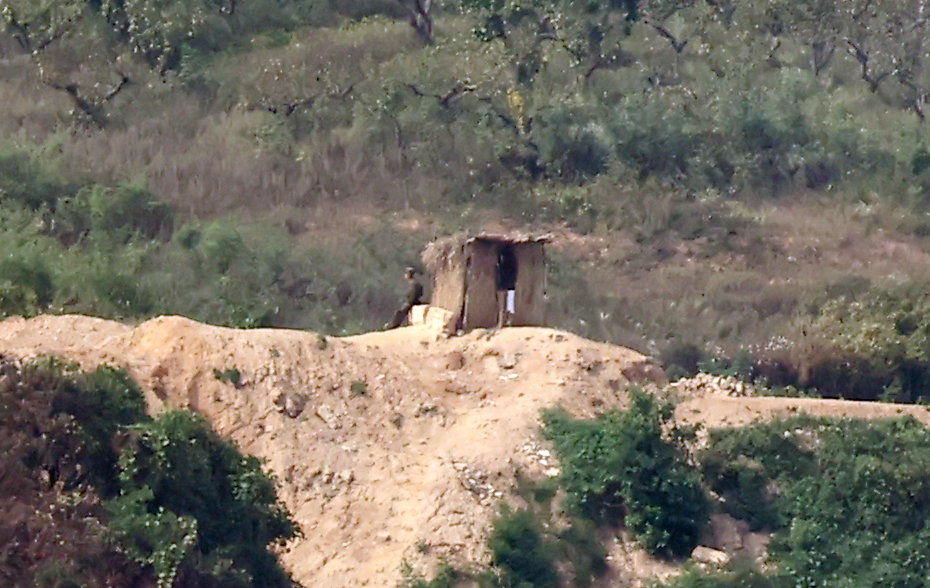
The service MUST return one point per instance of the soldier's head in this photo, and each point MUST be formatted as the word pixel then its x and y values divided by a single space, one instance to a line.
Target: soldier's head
pixel 410 273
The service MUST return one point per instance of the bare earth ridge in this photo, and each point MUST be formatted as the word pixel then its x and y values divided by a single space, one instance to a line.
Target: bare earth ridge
pixel 391 446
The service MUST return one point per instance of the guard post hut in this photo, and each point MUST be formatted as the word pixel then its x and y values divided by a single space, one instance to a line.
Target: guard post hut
pixel 489 280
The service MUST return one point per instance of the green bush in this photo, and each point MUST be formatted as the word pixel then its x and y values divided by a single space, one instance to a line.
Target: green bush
pixel 125 210
pixel 623 467
pixel 827 483
pixel 103 402
pixel 120 292
pixel 51 515
pixel 653 136
pixel 180 500
pixel 883 339
pixel 176 464
pixel 155 538
pixel 581 547
pixel 521 548
pixel 448 576
pixel 744 576
pixel 23 181
pixel 26 286
pixel 221 245
pixel 231 375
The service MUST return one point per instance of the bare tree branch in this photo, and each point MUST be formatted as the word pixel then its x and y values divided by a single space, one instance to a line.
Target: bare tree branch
pixel 92 110
pixel 863 58
pixel 447 99
pixel 822 54
pixel 124 81
pixel 677 45
pixel 421 19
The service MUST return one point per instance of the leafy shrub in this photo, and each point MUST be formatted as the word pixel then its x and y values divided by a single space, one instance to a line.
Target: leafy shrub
pixel 120 292
pixel 883 338
pixel 179 500
pixel 125 210
pixel 221 245
pixel 572 145
pixel 582 548
pixel 103 402
pixel 682 360
pixel 653 136
pixel 623 467
pixel 231 375
pixel 522 550
pixel 160 540
pixel 51 518
pixel 176 464
pixel 448 576
pixel 745 576
pixel 24 181
pixel 26 286
pixel 828 482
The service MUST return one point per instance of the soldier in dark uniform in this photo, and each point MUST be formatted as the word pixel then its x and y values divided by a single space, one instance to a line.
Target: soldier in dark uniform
pixel 413 295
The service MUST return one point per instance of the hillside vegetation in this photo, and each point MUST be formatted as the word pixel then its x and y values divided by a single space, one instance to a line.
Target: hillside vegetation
pixel 96 492
pixel 724 179
pixel 812 483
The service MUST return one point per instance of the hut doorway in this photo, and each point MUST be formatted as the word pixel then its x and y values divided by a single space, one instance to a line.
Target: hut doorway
pixel 507 272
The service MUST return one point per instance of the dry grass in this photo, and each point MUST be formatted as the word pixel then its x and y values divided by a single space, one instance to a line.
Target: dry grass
pixel 317 64
pixel 228 152
pixel 752 289
pixel 31 110
pixel 212 164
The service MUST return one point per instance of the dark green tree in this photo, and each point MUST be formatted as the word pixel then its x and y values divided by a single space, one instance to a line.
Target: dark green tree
pixel 203 499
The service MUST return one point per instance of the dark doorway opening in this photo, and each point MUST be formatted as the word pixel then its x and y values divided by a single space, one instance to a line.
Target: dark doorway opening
pixel 506 268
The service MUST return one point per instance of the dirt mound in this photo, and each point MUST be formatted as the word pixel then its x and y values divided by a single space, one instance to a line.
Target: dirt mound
pixel 390 447
pixel 387 445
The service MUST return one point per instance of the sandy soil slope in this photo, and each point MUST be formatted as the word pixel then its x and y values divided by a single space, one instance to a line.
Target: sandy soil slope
pixel 393 446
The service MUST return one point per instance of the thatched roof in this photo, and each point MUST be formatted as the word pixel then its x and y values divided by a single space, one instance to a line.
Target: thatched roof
pixel 447 251
pixel 443 253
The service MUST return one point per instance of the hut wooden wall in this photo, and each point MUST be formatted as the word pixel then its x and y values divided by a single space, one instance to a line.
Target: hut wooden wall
pixel 449 286
pixel 529 305
pixel 480 285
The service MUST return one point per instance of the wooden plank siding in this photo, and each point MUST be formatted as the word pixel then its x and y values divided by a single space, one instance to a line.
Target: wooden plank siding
pixel 529 306
pixel 480 285
pixel 449 289
pixel 465 282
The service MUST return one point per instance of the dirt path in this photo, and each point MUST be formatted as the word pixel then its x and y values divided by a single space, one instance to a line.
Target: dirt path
pixel 724 411
pixel 390 447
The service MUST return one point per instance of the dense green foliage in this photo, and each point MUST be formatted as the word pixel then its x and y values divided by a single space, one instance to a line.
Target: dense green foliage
pixel 821 483
pixel 164 500
pixel 205 499
pixel 102 402
pixel 743 577
pixel 623 467
pixel 890 327
pixel 522 551
pixel 537 546
pixel 51 515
